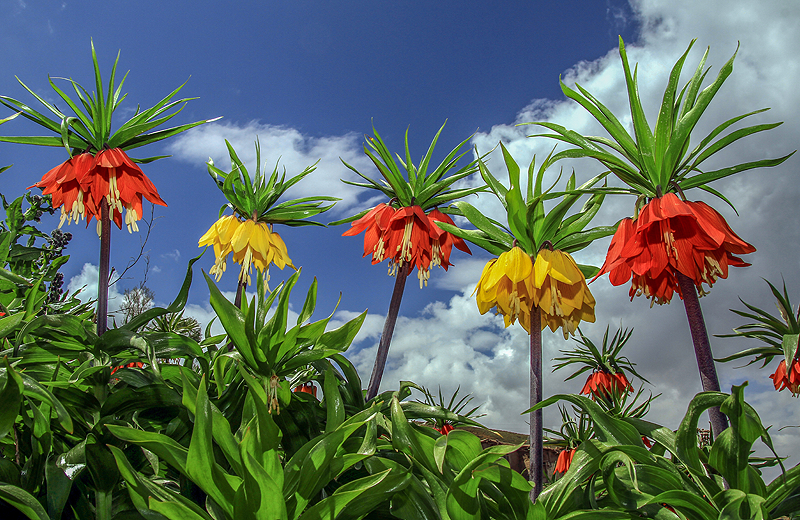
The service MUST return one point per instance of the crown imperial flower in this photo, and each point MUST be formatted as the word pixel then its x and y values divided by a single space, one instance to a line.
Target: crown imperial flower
pixel 79 185
pixel 672 236
pixel 783 379
pixel 515 285
pixel 604 384
pixel 407 236
pixel 251 243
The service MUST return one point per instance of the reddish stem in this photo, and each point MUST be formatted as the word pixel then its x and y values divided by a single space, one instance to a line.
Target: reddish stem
pixel 388 330
pixel 702 350
pixel 102 281
pixel 537 463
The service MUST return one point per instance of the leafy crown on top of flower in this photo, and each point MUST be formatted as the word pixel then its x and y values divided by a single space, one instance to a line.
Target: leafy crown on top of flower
pixel 414 185
pixel 659 158
pixel 255 198
pixel 89 128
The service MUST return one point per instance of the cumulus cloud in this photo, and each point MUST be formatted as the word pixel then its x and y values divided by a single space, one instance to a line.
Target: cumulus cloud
pixel 450 344
pixel 85 285
pixel 287 147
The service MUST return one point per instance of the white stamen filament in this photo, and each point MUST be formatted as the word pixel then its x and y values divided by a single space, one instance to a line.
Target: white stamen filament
pixel 405 252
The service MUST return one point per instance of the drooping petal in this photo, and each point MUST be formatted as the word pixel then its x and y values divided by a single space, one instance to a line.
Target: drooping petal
pixel 672 236
pixel 406 237
pixel 251 243
pixel 783 379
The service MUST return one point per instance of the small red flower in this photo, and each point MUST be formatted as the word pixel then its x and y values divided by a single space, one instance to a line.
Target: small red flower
pixel 442 242
pixel 781 379
pixel 564 460
pixel 63 183
pixel 307 387
pixel 135 364
pixel 602 384
pixel 374 223
pixel 672 236
pixel 647 443
pixel 121 180
pixel 445 429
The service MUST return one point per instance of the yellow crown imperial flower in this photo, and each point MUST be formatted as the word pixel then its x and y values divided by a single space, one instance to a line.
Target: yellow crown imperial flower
pixel 252 244
pixel 560 291
pixel 506 284
pixel 514 284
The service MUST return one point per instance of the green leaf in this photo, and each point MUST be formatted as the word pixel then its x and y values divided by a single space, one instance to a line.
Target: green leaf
pixel 33 389
pixel 370 491
pixel 333 401
pixel 789 344
pixel 483 223
pixel 23 502
pixel 102 467
pixel 232 321
pixel 200 464
pixel 339 339
pixel 11 397
pixel 309 305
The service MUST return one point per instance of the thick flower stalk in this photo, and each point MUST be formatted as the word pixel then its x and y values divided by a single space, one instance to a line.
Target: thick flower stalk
pixel 673 245
pixel 787 379
pixel 405 230
pixel 252 244
pixel 248 235
pixel 99 180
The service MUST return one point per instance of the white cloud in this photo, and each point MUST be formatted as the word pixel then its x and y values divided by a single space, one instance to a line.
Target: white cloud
pixel 173 255
pixel 86 282
pixel 294 150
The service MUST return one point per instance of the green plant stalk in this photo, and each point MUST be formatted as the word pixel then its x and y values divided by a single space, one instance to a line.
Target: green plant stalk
pixel 240 288
pixel 536 462
pixel 102 281
pixel 388 330
pixel 702 350
pixel 102 504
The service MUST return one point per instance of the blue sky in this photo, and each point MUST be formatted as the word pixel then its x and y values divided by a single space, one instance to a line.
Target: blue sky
pixel 310 78
pixel 325 71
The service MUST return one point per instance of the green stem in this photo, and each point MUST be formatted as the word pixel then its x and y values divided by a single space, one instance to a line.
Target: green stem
pixel 536 460
pixel 102 281
pixel 702 350
pixel 388 330
pixel 102 504
pixel 238 303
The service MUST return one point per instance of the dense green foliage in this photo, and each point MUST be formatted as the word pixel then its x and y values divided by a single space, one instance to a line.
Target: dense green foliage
pixel 203 431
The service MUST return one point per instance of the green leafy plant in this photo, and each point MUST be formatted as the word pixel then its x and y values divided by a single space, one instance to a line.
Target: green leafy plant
pixel 535 279
pixel 445 426
pixel 405 230
pixel 781 336
pixel 606 364
pixel 780 333
pixel 614 472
